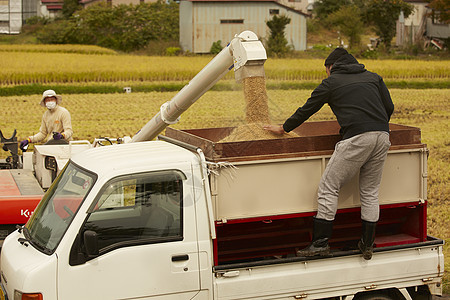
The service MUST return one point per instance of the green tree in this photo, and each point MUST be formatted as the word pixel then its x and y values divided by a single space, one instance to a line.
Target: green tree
pixel 277 43
pixel 69 7
pixel 441 10
pixel 216 47
pixel 323 8
pixel 124 27
pixel 383 14
pixel 61 32
pixel 349 22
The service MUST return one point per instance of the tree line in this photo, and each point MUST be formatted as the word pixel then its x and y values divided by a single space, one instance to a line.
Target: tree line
pixel 130 28
pixel 123 27
pixel 352 17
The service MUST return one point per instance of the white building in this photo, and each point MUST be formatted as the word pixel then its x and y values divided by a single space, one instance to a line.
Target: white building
pixel 14 13
pixel 305 6
pixel 203 22
pixel 10 16
pixel 421 23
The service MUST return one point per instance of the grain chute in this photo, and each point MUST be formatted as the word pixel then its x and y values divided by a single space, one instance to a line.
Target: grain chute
pixel 245 52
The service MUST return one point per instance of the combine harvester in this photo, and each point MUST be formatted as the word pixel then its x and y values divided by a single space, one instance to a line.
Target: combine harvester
pixel 25 178
pixel 191 217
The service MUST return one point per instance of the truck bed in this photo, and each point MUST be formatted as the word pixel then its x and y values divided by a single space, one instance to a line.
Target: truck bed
pixel 258 178
pixel 264 192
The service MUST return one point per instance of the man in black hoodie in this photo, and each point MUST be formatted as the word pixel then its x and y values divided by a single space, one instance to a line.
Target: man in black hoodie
pixel 363 106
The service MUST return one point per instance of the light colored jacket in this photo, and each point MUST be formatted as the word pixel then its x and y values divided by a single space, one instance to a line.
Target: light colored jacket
pixel 54 120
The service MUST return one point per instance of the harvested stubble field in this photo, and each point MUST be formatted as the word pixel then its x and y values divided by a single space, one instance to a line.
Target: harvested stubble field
pixel 117 115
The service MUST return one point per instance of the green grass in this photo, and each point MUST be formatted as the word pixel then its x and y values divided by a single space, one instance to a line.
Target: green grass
pixel 167 86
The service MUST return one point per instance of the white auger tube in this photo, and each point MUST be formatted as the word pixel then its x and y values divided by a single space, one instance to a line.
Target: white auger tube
pixel 244 50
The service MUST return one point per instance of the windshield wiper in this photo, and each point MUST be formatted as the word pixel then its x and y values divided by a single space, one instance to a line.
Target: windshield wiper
pixel 19 228
pixel 22 241
pixel 33 242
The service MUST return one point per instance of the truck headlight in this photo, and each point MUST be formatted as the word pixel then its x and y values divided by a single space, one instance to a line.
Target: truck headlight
pixel 27 296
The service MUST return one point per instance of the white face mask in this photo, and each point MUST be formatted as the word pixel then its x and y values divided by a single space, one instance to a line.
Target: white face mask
pixel 50 104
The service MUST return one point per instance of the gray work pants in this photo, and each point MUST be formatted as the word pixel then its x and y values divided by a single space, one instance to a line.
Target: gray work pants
pixel 365 153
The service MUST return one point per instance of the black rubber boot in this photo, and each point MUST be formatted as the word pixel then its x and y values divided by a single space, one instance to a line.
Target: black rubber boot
pixel 367 239
pixel 319 245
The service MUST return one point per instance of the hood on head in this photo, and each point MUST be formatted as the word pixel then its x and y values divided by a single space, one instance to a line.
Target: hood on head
pixel 347 64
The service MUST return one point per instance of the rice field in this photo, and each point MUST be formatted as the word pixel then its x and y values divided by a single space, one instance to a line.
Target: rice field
pixel 53 65
pixel 117 115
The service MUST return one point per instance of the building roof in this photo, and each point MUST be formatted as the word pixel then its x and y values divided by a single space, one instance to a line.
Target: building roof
pixel 55 7
pixel 276 2
pixel 87 1
pixel 50 2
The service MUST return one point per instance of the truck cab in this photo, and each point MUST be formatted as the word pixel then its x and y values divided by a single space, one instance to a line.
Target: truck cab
pixel 113 217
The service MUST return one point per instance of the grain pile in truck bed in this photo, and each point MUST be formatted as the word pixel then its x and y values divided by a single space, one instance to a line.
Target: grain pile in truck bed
pixel 256 114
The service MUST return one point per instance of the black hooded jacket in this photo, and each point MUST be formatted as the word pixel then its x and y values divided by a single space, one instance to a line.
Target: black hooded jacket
pixel 359 99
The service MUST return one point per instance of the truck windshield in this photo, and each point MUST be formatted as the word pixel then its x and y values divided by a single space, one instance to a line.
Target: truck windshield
pixel 57 208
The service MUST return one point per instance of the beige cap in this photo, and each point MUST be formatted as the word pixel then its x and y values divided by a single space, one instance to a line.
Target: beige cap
pixel 50 93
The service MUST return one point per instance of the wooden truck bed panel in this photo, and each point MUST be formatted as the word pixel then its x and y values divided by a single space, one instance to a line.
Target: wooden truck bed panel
pixel 315 138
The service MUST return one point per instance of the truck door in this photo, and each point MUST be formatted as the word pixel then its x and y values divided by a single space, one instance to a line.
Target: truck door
pixel 144 227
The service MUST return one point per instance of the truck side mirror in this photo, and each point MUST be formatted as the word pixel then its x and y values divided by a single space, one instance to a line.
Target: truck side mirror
pixel 91 243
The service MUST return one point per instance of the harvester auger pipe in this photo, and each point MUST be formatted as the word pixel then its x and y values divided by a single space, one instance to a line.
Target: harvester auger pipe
pixel 245 52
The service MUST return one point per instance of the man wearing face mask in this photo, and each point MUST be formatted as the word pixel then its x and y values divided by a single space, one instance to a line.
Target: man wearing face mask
pixel 56 122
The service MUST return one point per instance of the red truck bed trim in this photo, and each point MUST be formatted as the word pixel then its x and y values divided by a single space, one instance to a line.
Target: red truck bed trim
pixel 306 214
pixel 269 236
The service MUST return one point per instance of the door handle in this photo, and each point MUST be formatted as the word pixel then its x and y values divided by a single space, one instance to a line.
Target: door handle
pixel 181 257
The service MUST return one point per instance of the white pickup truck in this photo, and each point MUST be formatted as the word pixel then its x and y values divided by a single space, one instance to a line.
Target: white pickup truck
pixel 191 217
pixel 152 220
